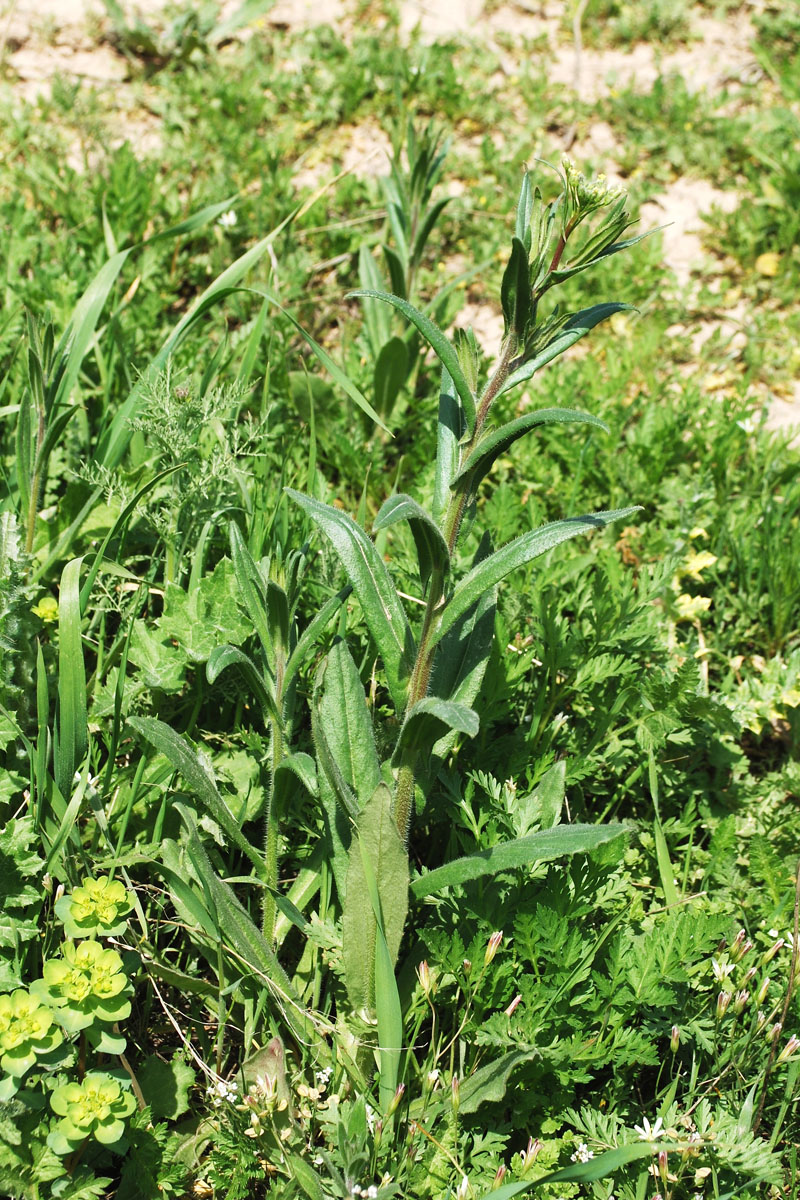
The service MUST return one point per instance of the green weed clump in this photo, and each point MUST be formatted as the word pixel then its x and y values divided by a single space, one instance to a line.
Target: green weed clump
pixel 330 867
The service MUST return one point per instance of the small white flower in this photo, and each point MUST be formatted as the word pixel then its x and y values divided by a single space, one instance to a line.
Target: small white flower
pixel 370 1118
pixel 648 1132
pixel 582 1153
pixel 721 969
pixel 462 1189
pixel 228 219
pixel 324 1076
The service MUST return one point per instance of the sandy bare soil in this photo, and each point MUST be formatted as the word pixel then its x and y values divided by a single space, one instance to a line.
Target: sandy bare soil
pixel 42 39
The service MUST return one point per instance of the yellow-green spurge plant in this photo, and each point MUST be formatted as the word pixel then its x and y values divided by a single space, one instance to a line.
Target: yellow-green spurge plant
pixel 432 674
pixel 48 1030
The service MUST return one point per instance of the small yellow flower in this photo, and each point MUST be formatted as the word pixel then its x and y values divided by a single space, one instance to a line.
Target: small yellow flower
pixel 46 610
pixel 689 608
pixel 697 532
pixel 697 563
pixel 768 263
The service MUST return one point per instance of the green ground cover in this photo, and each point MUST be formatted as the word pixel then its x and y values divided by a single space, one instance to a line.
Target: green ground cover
pixel 341 856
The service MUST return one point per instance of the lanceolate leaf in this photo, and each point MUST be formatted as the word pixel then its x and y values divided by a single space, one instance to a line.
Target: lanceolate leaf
pixel 378 841
pixel 449 431
pixel 439 343
pixel 198 778
pixel 522 550
pixel 499 440
pixel 348 725
pixel 430 719
pixel 571 332
pixel 490 1082
pixel 544 846
pixel 515 292
pixel 372 584
pixel 431 547
pixel 306 643
pixel 260 685
pixel 597 1168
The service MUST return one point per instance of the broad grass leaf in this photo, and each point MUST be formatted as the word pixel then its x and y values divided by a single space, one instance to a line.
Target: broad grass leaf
pixel 366 571
pixel 73 731
pixel 515 554
pixel 597 1168
pixel 544 846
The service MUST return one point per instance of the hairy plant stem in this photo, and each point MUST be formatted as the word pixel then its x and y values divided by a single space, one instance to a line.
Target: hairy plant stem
pixel 423 665
pixel 271 836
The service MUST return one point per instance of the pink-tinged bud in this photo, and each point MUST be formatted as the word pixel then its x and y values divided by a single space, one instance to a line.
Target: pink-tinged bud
pixel 424 976
pixel 761 1021
pixel 455 1093
pixel 723 1000
pixel 493 946
pixel 530 1155
pixel 513 1005
pixel 761 994
pixel 750 976
pixel 789 1049
pixel 737 946
pixel 768 955
pixel 499 1175
pixel 739 1000
pixel 674 1039
pixel 747 947
pixel 378 1137
pixel 662 1165
pixel 396 1098
pixel 774 1032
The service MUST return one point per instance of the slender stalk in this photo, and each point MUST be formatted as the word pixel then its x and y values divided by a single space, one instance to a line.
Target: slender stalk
pixel 271 837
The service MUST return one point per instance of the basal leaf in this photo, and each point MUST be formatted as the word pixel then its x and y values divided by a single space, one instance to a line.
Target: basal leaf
pixel 378 841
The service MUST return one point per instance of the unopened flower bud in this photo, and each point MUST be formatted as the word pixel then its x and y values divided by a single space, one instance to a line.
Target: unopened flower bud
pixel 432 1079
pixel 396 1098
pixel 789 1049
pixel 59 893
pixel 462 1191
pixel 739 1000
pixel 530 1154
pixel 761 1021
pixel 510 1010
pixel 467 966
pixel 749 976
pixel 455 1093
pixel 662 1165
pixel 378 1136
pixel 768 955
pixel 774 1032
pixel 499 1175
pixel 424 976
pixel 736 951
pixel 493 946
pixel 723 1000
pixel 761 994
pixel 674 1039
